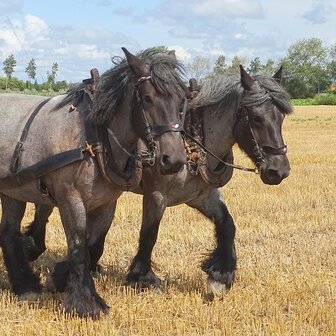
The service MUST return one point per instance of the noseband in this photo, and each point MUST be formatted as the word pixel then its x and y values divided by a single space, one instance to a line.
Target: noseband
pixel 148 156
pixel 260 151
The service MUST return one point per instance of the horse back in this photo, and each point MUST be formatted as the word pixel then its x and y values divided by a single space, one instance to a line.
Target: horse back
pixel 51 131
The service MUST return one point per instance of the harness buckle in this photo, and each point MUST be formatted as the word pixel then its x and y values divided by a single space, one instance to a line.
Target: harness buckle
pixel 89 148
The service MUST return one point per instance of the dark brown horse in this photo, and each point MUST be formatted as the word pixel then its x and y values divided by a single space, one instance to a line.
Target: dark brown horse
pixel 227 110
pixel 137 99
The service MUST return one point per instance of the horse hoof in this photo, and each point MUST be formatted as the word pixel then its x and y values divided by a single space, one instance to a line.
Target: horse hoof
pixel 217 288
pixel 157 290
pixel 88 305
pixel 29 296
pixel 143 282
pixel 141 286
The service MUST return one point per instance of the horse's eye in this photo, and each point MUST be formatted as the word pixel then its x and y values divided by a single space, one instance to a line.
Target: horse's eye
pixel 147 99
pixel 258 119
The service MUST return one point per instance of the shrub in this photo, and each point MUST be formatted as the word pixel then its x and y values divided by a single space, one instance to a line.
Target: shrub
pixel 302 101
pixel 325 99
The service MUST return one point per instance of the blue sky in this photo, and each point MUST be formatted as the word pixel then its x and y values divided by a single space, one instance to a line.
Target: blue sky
pixel 81 34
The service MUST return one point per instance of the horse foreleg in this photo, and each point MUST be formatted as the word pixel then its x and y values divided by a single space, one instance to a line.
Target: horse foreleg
pixel 81 296
pixel 34 236
pixel 221 262
pixel 23 281
pixel 99 222
pixel 140 274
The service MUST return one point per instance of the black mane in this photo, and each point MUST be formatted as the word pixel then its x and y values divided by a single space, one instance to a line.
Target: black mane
pixel 116 83
pixel 222 90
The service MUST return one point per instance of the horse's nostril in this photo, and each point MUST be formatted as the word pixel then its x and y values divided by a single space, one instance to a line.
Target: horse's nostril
pixel 273 173
pixel 171 164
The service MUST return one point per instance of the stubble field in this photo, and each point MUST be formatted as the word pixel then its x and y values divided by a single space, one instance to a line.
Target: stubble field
pixel 286 246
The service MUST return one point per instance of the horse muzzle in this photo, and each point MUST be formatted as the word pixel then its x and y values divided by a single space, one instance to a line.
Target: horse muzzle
pixel 172 164
pixel 173 157
pixel 274 170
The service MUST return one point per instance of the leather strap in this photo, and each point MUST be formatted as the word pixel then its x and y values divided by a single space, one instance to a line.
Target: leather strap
pixel 41 168
pixel 221 175
pixel 15 162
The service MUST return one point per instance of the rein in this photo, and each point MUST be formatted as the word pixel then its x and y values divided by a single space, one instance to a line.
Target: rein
pixel 208 151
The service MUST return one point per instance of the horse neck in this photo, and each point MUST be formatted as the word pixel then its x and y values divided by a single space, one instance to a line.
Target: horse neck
pixel 123 138
pixel 218 132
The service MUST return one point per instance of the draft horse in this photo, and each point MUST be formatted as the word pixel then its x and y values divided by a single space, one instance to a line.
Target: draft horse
pixel 48 157
pixel 227 110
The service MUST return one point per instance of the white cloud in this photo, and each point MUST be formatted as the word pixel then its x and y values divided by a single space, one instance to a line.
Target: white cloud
pixel 228 8
pixel 181 53
pixel 35 28
pixel 9 42
pixel 247 28
pixel 318 13
pixel 10 6
pixel 239 36
pixel 76 50
pixel 83 51
pixel 99 3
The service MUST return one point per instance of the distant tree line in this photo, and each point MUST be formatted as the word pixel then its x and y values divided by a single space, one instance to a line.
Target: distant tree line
pixel 309 68
pixel 12 83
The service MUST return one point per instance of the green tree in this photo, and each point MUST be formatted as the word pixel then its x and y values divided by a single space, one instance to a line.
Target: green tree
pixel 51 75
pixel 199 67
pixel 31 69
pixel 236 61
pixel 61 86
pixel 305 68
pixel 270 68
pixel 220 65
pixel 8 67
pixel 332 63
pixel 255 66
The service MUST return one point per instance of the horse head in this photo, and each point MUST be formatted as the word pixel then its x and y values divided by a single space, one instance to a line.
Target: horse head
pixel 158 94
pixel 258 129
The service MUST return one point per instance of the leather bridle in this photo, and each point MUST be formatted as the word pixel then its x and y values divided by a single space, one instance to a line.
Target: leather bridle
pixel 148 156
pixel 260 151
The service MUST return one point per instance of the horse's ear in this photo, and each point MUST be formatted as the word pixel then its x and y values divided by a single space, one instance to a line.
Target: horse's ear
pixel 172 53
pixel 137 65
pixel 246 80
pixel 278 75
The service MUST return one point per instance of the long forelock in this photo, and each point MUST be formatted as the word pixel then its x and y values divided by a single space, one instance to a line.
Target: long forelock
pixel 167 74
pixel 279 95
